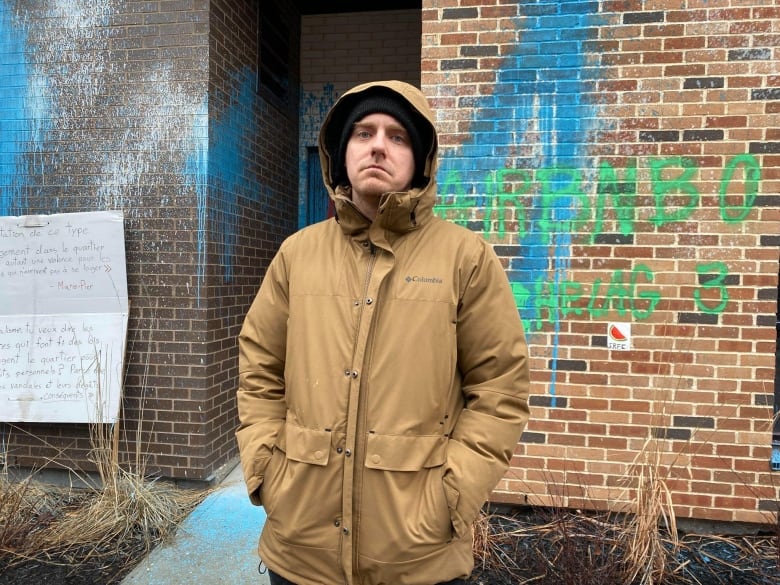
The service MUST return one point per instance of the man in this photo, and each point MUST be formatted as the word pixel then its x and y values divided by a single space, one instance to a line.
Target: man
pixel 383 368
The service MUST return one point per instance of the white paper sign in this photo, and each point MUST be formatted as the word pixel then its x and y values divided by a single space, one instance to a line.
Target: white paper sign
pixel 63 317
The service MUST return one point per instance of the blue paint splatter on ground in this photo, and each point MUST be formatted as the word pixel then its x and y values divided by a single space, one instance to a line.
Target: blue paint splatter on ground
pixel 215 544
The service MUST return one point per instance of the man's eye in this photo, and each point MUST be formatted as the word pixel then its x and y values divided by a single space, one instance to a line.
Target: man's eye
pixel 362 133
pixel 399 139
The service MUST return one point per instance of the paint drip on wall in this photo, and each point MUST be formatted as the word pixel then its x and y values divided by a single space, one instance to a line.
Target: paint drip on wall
pixel 536 115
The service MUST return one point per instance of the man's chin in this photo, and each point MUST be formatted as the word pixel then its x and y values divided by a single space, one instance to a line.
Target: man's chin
pixel 372 189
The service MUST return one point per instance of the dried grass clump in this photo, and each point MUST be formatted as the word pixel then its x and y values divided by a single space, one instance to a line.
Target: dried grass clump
pixel 638 545
pixel 548 546
pixel 651 532
pixel 558 546
pixel 127 508
pixel 121 516
pixel 494 543
pixel 130 510
pixel 24 507
pixel 124 515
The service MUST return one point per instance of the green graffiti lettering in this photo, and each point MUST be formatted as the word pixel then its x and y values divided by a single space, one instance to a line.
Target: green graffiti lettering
pixel 618 293
pixel 717 283
pixel 455 204
pixel 652 297
pixel 521 294
pixel 565 298
pixel 564 207
pixel 601 310
pixel 665 188
pixel 561 206
pixel 546 298
pixel 571 292
pixel 509 186
pixel 623 194
pixel 562 200
pixel 752 176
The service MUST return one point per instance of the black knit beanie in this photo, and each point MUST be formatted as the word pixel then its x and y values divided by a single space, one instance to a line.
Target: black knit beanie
pixel 384 101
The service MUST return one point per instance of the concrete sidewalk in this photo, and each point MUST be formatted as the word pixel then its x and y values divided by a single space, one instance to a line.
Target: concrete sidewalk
pixel 216 544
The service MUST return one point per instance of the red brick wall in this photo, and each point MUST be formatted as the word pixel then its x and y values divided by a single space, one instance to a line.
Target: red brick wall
pixel 624 159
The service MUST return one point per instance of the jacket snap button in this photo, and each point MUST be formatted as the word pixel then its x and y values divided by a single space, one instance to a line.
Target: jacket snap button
pixel 345 531
pixel 318 454
pixel 337 523
pixel 354 374
pixel 339 450
pixel 348 453
pixel 376 458
pixel 347 373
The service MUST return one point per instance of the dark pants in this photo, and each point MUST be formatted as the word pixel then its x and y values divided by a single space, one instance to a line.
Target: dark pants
pixel 279 580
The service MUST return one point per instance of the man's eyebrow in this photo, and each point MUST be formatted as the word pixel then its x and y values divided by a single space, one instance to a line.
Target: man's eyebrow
pixel 398 126
pixel 393 126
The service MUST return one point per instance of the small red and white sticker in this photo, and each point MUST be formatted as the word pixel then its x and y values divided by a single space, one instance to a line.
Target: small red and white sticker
pixel 619 336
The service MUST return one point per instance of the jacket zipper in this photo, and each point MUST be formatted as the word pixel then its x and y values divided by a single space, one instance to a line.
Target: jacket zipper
pixel 357 450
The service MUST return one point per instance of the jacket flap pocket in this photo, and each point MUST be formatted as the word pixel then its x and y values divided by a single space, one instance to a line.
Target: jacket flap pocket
pixel 306 445
pixel 405 452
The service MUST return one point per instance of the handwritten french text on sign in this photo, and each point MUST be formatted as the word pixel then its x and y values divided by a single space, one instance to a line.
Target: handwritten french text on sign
pixel 63 317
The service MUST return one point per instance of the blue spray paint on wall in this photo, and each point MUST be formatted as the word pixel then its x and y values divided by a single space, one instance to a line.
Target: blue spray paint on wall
pixel 59 80
pixel 196 171
pixel 23 113
pixel 230 150
pixel 62 80
pixel 536 109
pixel 219 161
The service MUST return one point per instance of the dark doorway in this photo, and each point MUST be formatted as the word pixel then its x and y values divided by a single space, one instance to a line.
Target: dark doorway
pixel 317 200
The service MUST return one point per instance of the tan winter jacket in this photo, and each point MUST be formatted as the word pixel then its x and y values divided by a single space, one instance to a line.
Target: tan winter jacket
pixel 383 388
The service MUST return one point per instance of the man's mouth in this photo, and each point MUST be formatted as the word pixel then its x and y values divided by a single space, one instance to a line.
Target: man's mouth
pixel 377 168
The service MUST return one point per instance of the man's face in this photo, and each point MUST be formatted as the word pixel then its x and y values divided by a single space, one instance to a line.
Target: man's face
pixel 379 157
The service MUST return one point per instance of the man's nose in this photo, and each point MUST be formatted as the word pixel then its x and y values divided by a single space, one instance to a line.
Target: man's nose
pixel 378 142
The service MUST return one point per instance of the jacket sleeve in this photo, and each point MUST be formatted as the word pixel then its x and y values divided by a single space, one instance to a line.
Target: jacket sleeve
pixel 262 407
pixel 493 360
